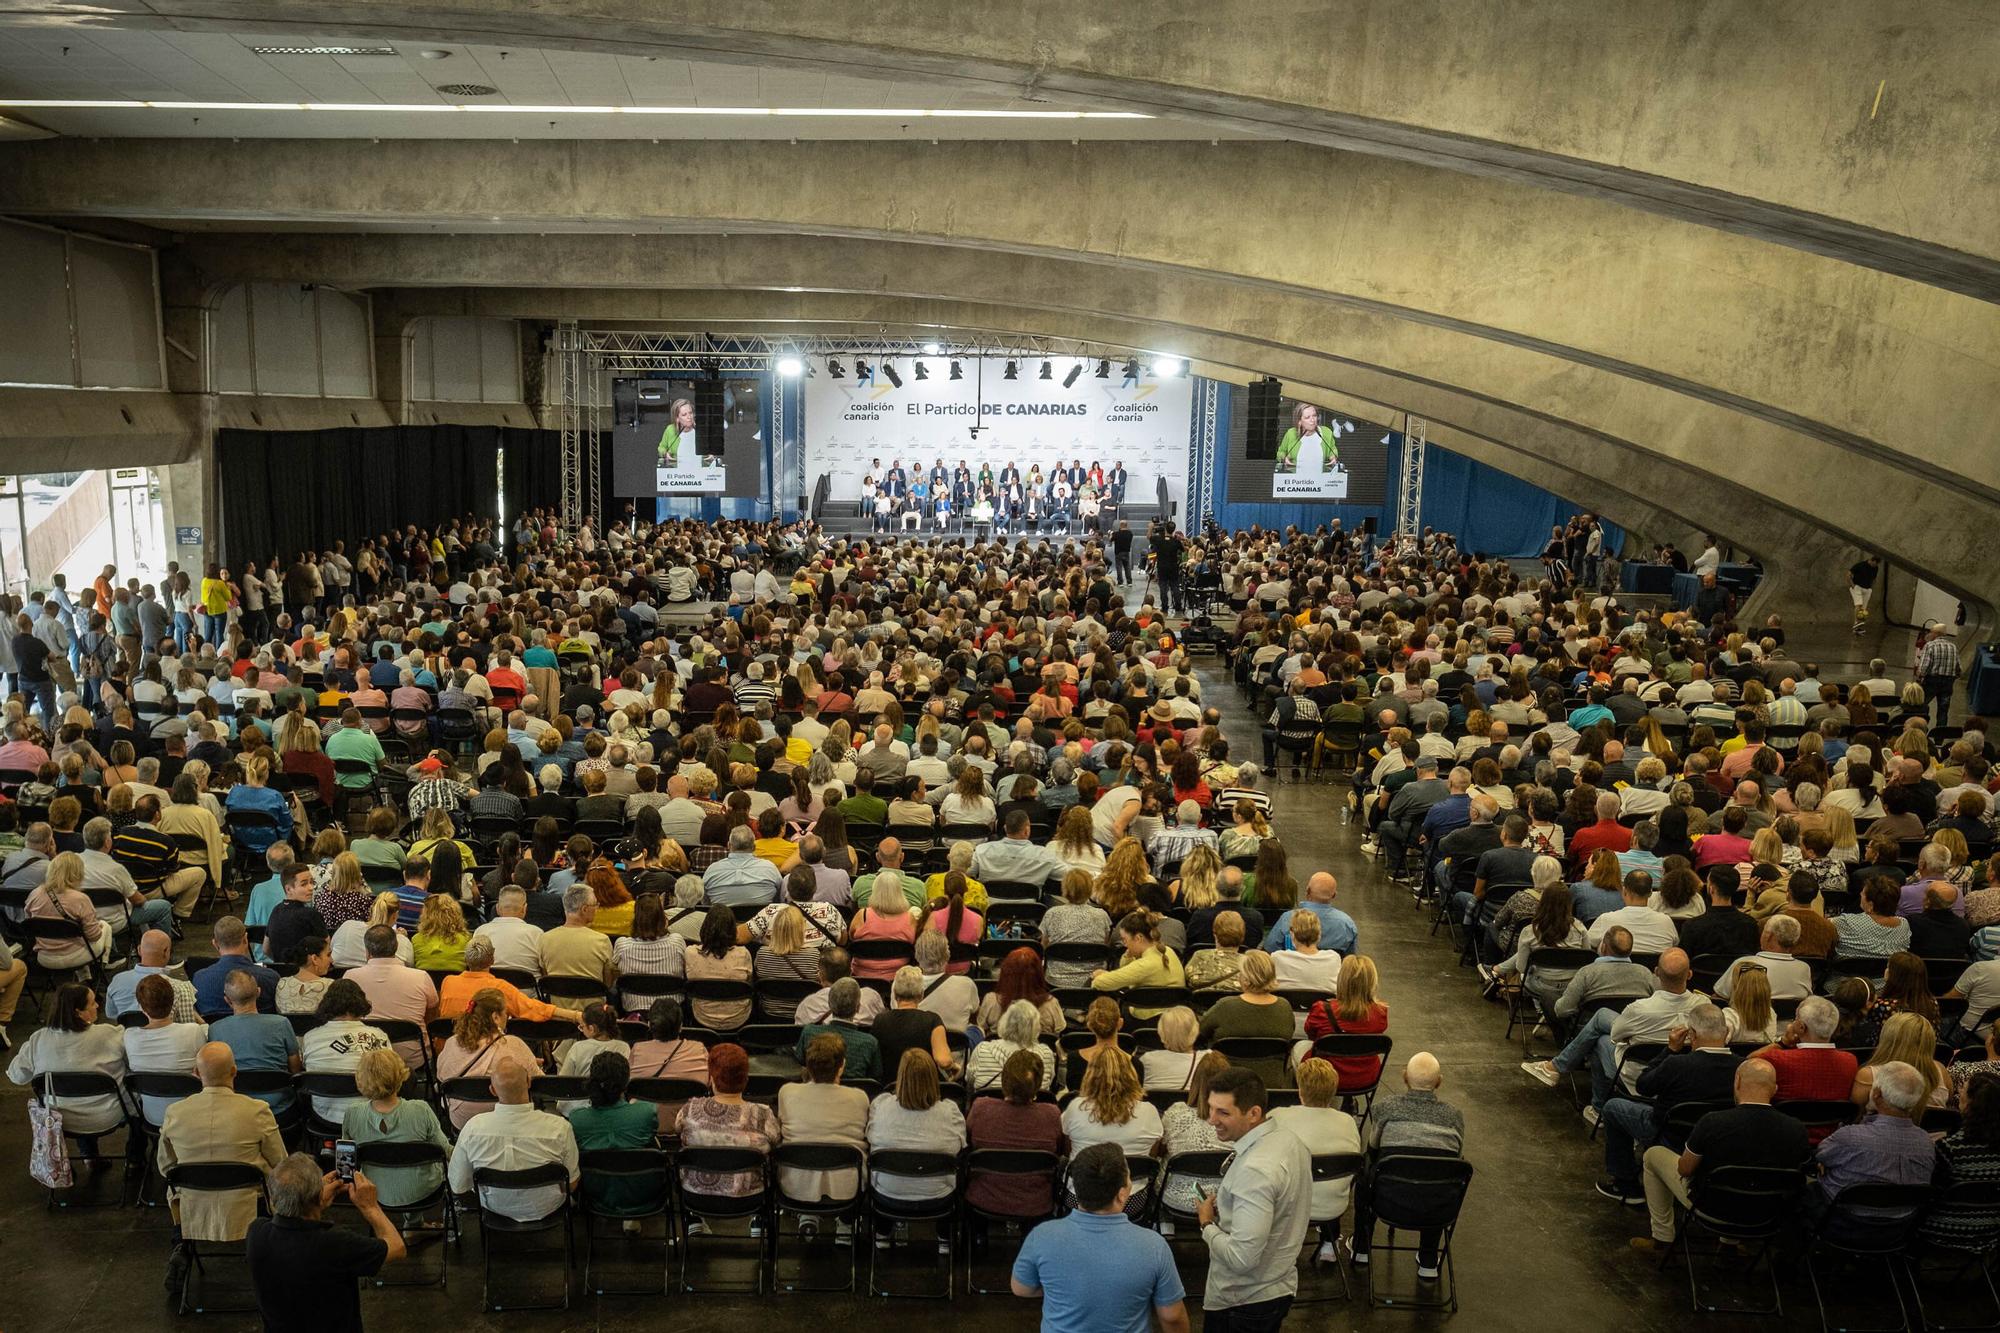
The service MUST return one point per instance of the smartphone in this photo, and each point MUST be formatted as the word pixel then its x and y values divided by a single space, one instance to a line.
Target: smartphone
pixel 343 1159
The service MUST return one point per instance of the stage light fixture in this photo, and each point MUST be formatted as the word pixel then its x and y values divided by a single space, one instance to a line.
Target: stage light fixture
pixel 1074 371
pixel 1168 365
pixel 930 349
pixel 922 374
pixel 863 374
pixel 1131 369
pixel 958 371
pixel 889 370
pixel 833 370
pixel 1104 370
pixel 1012 372
pixel 1048 371
pixel 791 367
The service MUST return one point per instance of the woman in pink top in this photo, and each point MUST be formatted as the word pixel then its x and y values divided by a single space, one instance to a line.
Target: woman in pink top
pixel 478 1043
pixel 886 917
pixel 949 914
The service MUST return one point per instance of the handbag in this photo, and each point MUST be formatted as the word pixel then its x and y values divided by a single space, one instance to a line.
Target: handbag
pixel 48 1162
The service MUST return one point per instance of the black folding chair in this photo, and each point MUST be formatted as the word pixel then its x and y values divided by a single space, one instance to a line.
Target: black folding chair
pixel 221 1178
pixel 493 1226
pixel 140 1085
pixel 1329 1168
pixel 1962 1226
pixel 999 1164
pixel 622 1185
pixel 389 1155
pixel 885 1211
pixel 1355 1046
pixel 1748 1206
pixel 1416 1192
pixel 819 1212
pixel 1866 1228
pixel 692 1206
pixel 52 1089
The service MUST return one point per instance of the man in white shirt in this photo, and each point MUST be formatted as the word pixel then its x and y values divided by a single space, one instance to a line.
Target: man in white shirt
pixel 1708 561
pixel 809 728
pixel 1259 1215
pixel 1790 978
pixel 514 1136
pixel 680 816
pixel 515 943
pixel 1652 931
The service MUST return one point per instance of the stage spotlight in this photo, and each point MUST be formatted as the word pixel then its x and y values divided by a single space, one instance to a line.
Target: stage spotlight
pixel 1048 371
pixel 1168 365
pixel 1104 370
pixel 1074 371
pixel 791 367
pixel 833 370
pixel 930 349
pixel 958 371
pixel 1012 372
pixel 922 374
pixel 1131 369
pixel 862 373
pixel 889 369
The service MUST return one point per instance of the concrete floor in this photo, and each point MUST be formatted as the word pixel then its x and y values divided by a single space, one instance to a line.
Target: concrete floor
pixel 1536 1241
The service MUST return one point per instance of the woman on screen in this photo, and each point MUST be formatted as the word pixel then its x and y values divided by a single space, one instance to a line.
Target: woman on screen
pixel 677 440
pixel 1308 447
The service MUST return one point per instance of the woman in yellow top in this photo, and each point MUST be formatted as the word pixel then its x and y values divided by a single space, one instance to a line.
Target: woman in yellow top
pixel 217 596
pixel 1147 962
pixel 614 900
pixel 439 944
pixel 437 828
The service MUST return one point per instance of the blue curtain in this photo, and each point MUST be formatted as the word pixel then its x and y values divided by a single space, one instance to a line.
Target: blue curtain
pixel 1486 509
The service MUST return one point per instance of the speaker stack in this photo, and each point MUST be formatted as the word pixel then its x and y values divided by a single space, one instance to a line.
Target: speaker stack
pixel 708 413
pixel 1261 418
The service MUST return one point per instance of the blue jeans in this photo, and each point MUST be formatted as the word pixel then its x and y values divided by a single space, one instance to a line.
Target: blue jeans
pixel 1629 1130
pixel 1592 1043
pixel 212 627
pixel 44 692
pixel 183 627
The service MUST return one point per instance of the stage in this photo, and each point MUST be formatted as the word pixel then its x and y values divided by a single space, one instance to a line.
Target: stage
pixel 844 519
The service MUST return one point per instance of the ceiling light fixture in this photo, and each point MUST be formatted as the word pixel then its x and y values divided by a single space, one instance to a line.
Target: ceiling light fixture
pixel 791 367
pixel 326 50
pixel 1074 371
pixel 958 371
pixel 872 113
pixel 1104 370
pixel 930 349
pixel 1168 365
pixel 922 374
pixel 1012 371
pixel 833 370
pixel 889 371
pixel 467 89
pixel 1048 371
pixel 862 373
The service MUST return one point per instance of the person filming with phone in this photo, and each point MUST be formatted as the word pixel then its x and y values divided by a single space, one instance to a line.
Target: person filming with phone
pixel 305 1270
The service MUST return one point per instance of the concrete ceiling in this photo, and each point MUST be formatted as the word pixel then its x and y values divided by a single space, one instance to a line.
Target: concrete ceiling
pixel 1733 266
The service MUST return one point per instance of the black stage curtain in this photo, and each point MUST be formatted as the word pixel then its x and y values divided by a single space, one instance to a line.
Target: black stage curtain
pixel 534 472
pixel 287 491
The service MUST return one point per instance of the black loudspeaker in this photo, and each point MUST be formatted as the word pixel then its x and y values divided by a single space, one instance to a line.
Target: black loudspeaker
pixel 1261 432
pixel 1368 525
pixel 708 416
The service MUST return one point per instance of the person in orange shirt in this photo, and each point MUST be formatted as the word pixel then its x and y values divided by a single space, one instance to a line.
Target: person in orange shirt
pixel 455 992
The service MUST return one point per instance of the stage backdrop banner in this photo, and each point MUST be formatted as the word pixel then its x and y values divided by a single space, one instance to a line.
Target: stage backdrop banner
pixel 852 428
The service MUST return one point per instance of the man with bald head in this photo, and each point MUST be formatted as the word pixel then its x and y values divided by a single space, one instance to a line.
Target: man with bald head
pixel 1751 1133
pixel 218 1124
pixel 1337 931
pixel 514 1136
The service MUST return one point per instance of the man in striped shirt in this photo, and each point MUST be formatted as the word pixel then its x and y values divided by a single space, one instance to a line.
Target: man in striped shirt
pixel 1937 668
pixel 753 690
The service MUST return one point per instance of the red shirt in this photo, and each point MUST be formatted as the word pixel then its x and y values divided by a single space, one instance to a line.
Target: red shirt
pixel 1812 1074
pixel 1604 833
pixel 1721 849
pixel 1322 1020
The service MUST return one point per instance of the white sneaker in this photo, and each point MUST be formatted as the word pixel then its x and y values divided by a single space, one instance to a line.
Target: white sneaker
pixel 1541 1072
pixel 1359 1258
pixel 1327 1254
pixel 1368 847
pixel 1590 1116
pixel 1427 1274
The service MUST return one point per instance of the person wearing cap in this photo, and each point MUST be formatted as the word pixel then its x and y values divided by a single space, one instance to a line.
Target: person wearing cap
pixel 435 789
pixel 1399 824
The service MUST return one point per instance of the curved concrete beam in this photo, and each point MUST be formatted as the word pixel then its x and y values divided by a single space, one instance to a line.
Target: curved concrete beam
pixel 1839 126
pixel 1877 366
pixel 1825 487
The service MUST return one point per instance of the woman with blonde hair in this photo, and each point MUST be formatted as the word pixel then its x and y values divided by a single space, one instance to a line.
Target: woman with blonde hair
pixel 1840 827
pixel 1111 1107
pixel 1117 887
pixel 478 1043
pixel 1911 1039
pixel 1216 967
pixel 785 957
pixel 1074 920
pixel 1255 1012
pixel 1247 833
pixel 1146 962
pixel 1201 871
pixel 385 1117
pixel 438 828
pixel 1960 874
pixel 439 944
pixel 1171 1068
pixel 1749 1015
pixel 1075 841
pixel 349 949
pixel 1355 1010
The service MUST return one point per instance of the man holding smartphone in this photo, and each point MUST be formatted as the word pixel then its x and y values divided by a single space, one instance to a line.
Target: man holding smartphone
pixel 306 1270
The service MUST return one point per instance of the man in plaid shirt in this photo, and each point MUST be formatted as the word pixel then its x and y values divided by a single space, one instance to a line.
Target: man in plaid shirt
pixel 1937 668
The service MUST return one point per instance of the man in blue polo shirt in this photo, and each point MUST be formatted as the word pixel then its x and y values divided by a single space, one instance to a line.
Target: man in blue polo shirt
pixel 1095 1271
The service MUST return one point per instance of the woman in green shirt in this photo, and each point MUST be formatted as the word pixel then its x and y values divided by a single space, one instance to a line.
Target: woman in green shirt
pixel 1257 1012
pixel 386 1118
pixel 614 1121
pixel 1306 427
pixel 680 428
